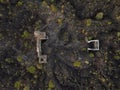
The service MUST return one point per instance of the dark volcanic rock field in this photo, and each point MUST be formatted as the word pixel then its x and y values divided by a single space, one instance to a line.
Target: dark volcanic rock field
pixel 68 25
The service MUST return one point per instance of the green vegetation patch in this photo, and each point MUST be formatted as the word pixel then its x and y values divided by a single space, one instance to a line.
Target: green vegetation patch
pixel 19 59
pixel 89 38
pixel 118 34
pixel 77 64
pixel 26 34
pixel 117 57
pixel 51 85
pixel 91 55
pixel 17 85
pixel 53 8
pixel 26 88
pixel 39 66
pixel 20 3
pixel 88 22
pixel 109 23
pixel 31 69
pixel 99 16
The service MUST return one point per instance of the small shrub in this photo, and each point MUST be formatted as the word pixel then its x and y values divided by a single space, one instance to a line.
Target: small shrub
pixel 17 85
pixel 31 69
pixel 20 3
pixel 19 59
pixel 51 84
pixel 26 88
pixel 99 16
pixel 88 22
pixel 25 34
pixel 77 64
pixel 91 55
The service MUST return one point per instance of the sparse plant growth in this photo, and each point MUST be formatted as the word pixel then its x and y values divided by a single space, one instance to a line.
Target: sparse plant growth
pixel 69 25
pixel 17 85
pixel 51 85
pixel 77 64
pixel 31 69
pixel 99 16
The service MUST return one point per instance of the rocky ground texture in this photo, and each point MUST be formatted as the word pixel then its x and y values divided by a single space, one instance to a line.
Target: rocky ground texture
pixel 68 25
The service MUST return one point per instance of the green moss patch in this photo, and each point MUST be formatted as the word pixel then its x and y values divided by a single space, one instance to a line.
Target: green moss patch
pixel 88 22
pixel 99 16
pixel 77 64
pixel 17 85
pixel 91 55
pixel 26 34
pixel 31 69
pixel 51 85
pixel 19 59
